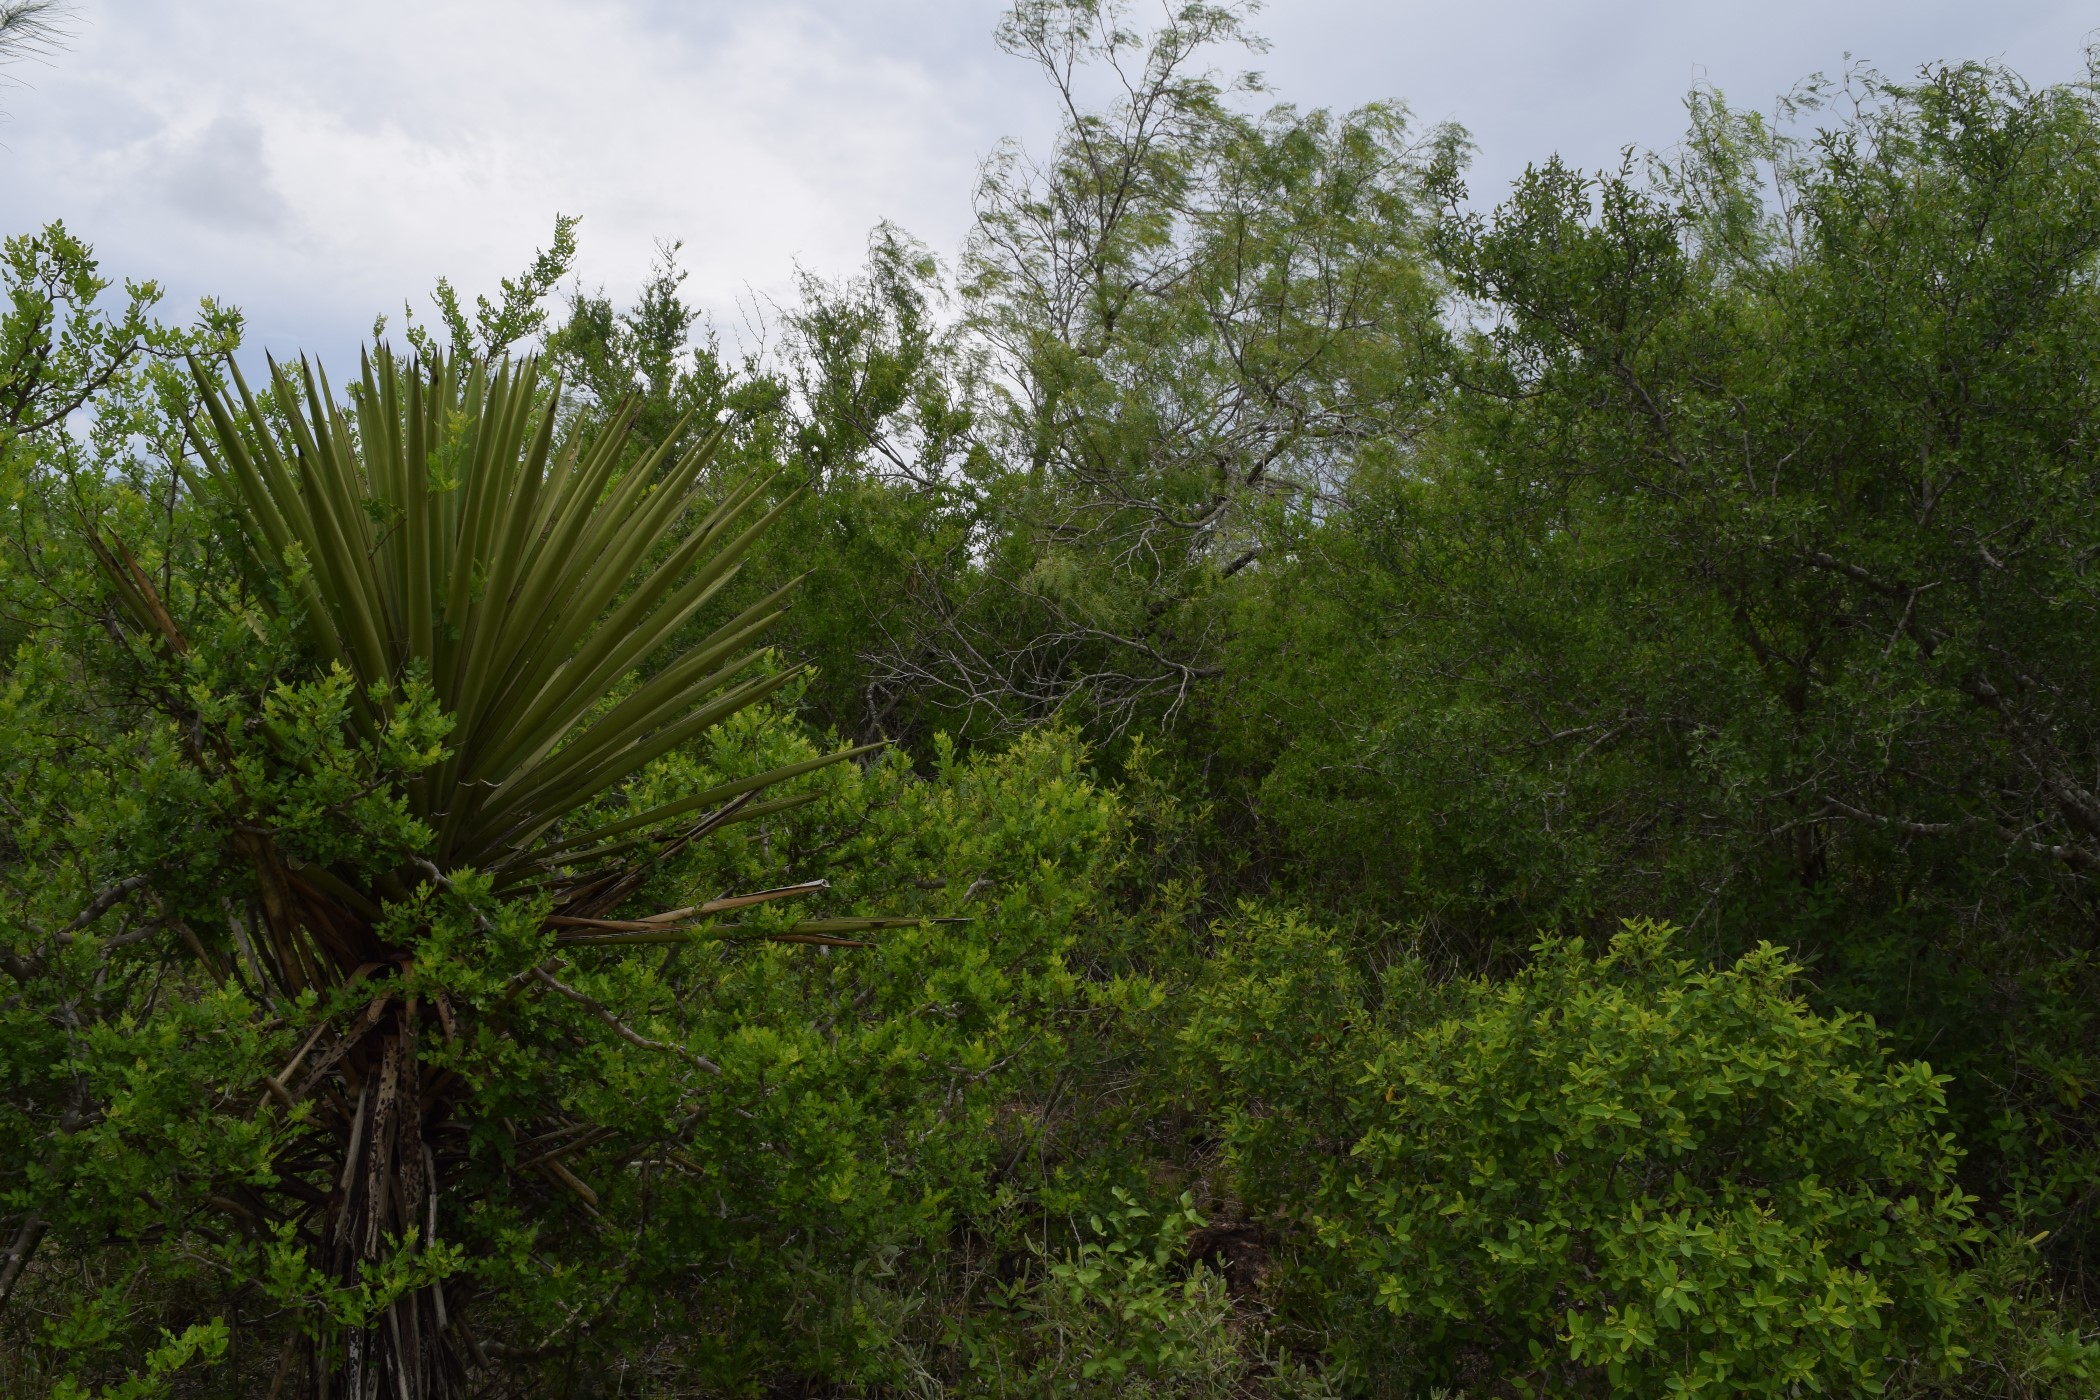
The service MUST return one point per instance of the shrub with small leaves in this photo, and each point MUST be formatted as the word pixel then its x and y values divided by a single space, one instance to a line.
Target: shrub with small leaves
pixel 1622 1174
pixel 1628 1175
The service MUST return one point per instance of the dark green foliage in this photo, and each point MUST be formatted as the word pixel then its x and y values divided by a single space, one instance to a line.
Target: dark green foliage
pixel 1746 578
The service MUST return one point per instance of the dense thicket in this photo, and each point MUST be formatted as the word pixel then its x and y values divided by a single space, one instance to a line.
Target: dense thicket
pixel 1493 795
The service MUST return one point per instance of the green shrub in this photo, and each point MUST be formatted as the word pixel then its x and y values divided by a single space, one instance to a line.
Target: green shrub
pixel 1117 1317
pixel 1616 1174
pixel 870 1100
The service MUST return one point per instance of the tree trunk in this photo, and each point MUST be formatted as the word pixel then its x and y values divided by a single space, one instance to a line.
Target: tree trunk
pixel 19 1254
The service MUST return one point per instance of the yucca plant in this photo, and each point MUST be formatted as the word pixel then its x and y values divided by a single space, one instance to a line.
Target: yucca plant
pixel 429 534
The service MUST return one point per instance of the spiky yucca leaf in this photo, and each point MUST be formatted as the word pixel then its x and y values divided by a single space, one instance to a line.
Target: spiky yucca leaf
pixel 432 526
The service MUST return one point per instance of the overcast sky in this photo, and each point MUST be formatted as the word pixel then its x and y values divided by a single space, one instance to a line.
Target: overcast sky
pixel 315 163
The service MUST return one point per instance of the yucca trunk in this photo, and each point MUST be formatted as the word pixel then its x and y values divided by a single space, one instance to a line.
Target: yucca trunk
pixel 390 1191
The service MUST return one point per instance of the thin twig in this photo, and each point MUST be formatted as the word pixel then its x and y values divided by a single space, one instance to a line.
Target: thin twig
pixel 621 1028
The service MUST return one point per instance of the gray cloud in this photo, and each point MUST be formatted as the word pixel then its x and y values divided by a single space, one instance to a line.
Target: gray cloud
pixel 219 177
pixel 415 138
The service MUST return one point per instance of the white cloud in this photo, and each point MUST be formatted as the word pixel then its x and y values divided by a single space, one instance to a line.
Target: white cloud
pixel 316 163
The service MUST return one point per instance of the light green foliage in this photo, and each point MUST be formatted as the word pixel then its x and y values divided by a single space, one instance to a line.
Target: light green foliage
pixel 203 1343
pixel 58 346
pixel 1626 1172
pixel 1113 1319
pixel 119 1063
pixel 869 1099
pixel 1126 1312
pixel 1617 1175
pixel 1276 1035
pixel 497 326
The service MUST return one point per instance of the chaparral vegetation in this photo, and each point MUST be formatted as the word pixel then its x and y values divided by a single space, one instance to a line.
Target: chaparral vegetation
pixel 1288 779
